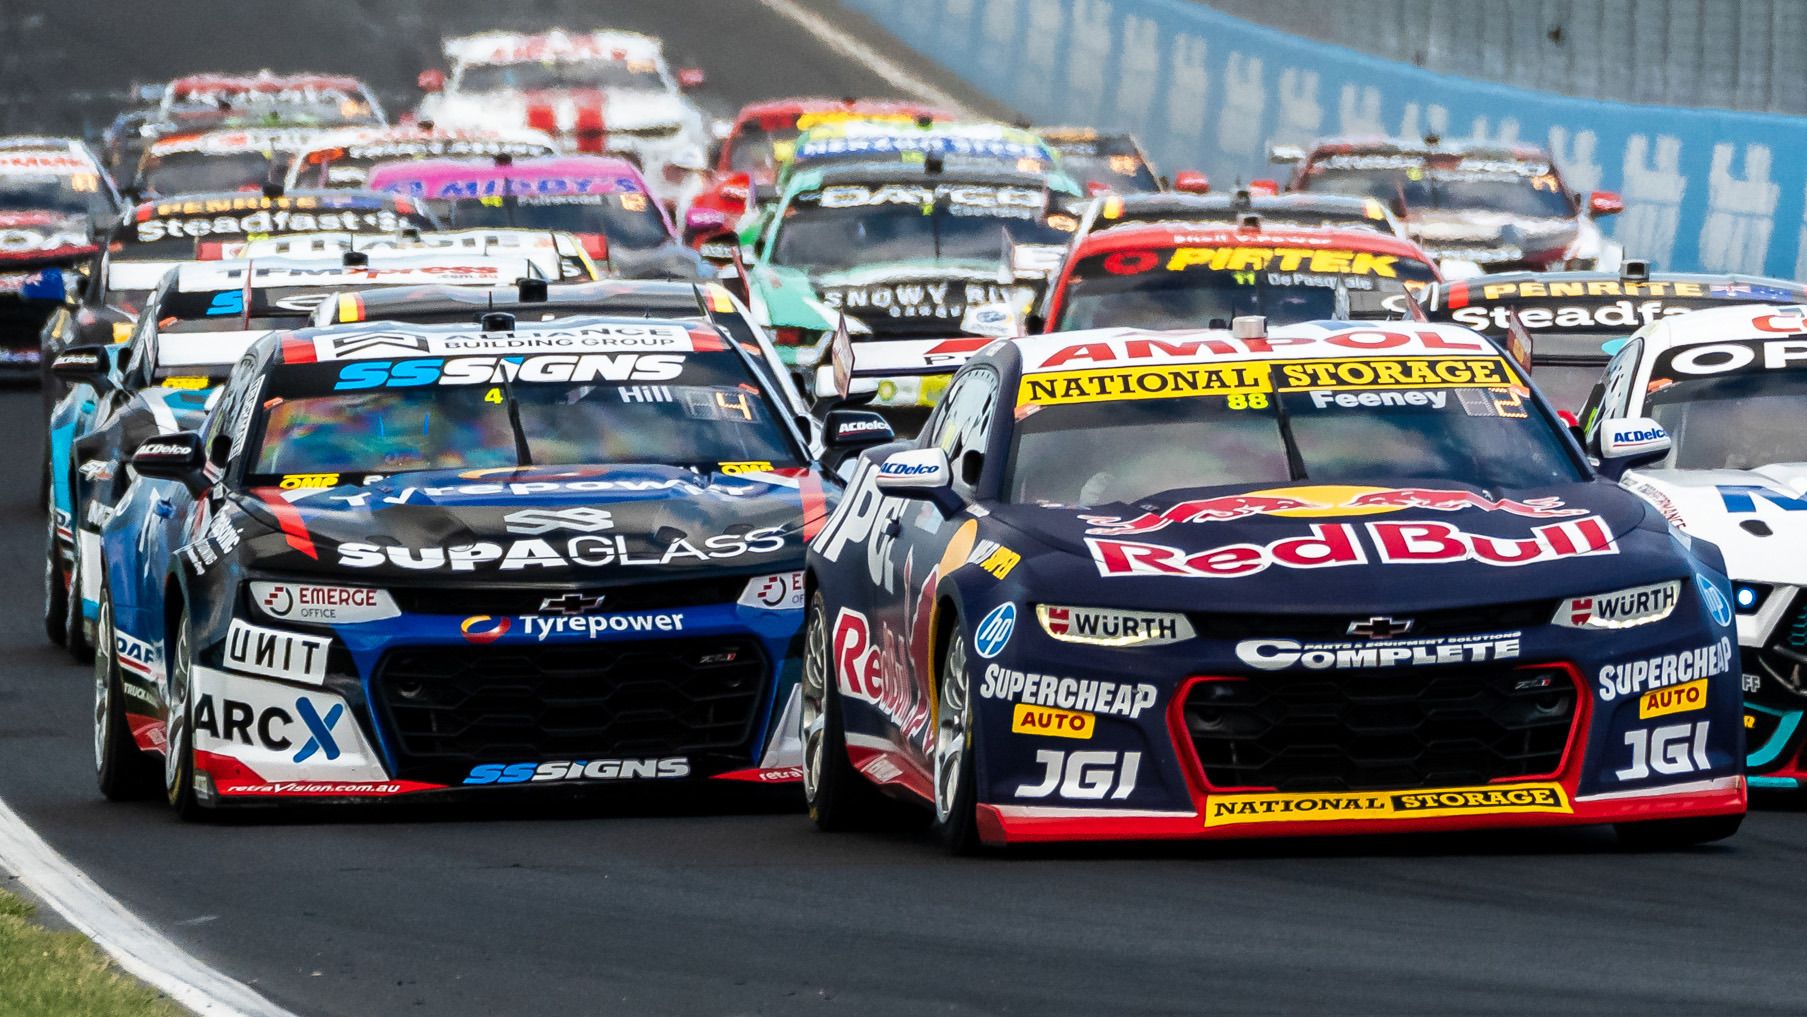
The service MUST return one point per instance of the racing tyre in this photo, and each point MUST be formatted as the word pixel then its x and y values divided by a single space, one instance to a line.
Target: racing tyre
pixel 1666 834
pixel 839 796
pixel 956 786
pixel 178 747
pixel 122 769
pixel 56 588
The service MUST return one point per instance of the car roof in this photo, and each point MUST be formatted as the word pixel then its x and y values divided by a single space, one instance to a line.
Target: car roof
pixel 383 267
pixel 235 139
pixel 357 137
pixel 914 173
pixel 579 166
pixel 1462 147
pixel 601 297
pixel 262 81
pixel 1135 235
pixel 555 44
pixel 1726 324
pixel 1343 340
pixel 393 340
pixel 794 106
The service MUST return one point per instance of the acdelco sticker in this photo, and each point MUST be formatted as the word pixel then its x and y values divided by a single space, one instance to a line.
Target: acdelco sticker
pixel 1232 810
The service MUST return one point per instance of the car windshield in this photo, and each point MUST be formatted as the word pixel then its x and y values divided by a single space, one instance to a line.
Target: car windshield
pixel 753 148
pixel 842 227
pixel 73 193
pixel 629 221
pixel 1258 423
pixel 1180 287
pixel 1125 174
pixel 193 172
pixel 538 75
pixel 1531 190
pixel 1736 421
pixel 706 411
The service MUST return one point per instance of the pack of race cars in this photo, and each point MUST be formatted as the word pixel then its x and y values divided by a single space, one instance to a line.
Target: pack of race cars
pixel 558 437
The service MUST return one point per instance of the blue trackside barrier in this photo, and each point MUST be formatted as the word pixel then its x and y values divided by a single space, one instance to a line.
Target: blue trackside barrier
pixel 1704 189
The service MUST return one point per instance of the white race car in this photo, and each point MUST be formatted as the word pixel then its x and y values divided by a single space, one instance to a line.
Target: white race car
pixel 594 91
pixel 1729 386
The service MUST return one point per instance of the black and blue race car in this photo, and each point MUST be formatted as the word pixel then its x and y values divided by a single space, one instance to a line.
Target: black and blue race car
pixel 1330 578
pixel 404 559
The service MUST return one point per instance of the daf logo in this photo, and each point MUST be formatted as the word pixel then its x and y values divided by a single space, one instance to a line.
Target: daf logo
pixel 1380 627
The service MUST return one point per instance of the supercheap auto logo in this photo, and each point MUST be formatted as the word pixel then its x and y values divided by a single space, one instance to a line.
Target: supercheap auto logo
pixel 1233 810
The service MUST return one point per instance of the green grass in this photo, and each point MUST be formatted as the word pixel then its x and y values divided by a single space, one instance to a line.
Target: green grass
pixel 61 974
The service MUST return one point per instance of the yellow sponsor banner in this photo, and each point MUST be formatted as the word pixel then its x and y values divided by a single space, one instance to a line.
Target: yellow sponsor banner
pixel 1046 720
pixel 1395 372
pixel 1674 699
pixel 1317 261
pixel 1237 809
pixel 1172 381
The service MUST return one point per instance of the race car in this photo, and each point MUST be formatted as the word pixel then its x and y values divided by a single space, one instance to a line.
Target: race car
pixel 1242 207
pixel 53 197
pixel 405 560
pixel 196 325
pixel 603 201
pixel 104 296
pixel 553 254
pixel 1335 577
pixel 1476 206
pixel 595 92
pixel 1575 321
pixel 761 141
pixel 907 255
pixel 1108 162
pixel 1170 275
pixel 1728 386
pixel 344 158
pixel 236 159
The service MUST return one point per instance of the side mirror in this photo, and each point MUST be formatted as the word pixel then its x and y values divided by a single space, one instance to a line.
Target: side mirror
pixel 1604 203
pixel 48 286
pixel 431 81
pixel 179 457
pixel 920 474
pixel 691 77
pixel 1285 155
pixel 1191 182
pixel 84 365
pixel 855 429
pixel 699 222
pixel 1627 443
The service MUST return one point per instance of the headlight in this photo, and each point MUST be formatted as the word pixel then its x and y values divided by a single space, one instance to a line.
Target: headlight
pixel 320 604
pixel 780 591
pixel 1103 626
pixel 1621 609
pixel 1748 597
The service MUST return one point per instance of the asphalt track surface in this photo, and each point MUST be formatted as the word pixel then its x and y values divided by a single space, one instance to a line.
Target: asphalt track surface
pixel 733 905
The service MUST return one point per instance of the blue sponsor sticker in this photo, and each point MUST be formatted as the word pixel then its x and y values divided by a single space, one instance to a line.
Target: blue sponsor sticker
pixel 228 302
pixel 1719 607
pixel 994 630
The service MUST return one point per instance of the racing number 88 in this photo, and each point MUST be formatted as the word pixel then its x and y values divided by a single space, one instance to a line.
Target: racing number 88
pixel 1250 401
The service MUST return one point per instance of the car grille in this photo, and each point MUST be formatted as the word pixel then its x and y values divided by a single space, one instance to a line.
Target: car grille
pixel 448 708
pixel 1381 730
pixel 1451 621
pixel 499 600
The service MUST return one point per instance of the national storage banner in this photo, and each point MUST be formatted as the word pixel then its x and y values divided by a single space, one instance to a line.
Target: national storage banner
pixel 1704 189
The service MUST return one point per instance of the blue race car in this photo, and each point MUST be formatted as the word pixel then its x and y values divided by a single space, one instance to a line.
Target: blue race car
pixel 1336 578
pixel 402 559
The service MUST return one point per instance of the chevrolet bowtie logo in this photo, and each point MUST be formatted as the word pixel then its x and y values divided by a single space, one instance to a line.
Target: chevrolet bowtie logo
pixel 1380 627
pixel 571 603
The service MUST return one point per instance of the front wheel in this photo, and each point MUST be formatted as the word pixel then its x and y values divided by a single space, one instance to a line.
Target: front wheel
pixel 956 785
pixel 1669 834
pixel 120 767
pixel 56 581
pixel 838 795
pixel 75 633
pixel 178 742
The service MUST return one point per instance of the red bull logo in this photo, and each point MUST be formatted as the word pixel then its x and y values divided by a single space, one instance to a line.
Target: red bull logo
pixel 1324 500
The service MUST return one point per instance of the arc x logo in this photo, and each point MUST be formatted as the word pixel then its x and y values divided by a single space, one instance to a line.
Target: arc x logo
pixel 320 730
pixel 583 519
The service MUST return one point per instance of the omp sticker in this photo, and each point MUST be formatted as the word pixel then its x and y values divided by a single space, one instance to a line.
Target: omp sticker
pixel 1234 810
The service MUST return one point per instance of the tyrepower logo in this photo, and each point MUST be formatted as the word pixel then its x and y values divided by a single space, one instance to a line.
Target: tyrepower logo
pixel 1330 545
